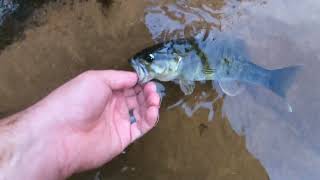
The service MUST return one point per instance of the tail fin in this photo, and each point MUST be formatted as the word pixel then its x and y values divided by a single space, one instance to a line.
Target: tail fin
pixel 282 79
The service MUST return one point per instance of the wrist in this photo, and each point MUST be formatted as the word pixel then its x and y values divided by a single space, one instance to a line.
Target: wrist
pixel 28 150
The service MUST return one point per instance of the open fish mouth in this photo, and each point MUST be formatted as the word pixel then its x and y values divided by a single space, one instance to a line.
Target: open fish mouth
pixel 141 71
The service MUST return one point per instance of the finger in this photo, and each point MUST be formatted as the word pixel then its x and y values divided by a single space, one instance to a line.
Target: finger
pixel 144 127
pixel 135 132
pixel 137 89
pixel 119 79
pixel 121 121
pixel 153 99
pixel 139 120
pixel 141 99
pixel 149 88
pixel 137 115
pixel 151 116
pixel 135 127
pixel 129 92
pixel 132 102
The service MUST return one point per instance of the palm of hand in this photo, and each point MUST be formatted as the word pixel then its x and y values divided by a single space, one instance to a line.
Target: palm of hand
pixel 91 115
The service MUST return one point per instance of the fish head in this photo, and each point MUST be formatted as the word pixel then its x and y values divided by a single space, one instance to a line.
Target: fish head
pixel 156 63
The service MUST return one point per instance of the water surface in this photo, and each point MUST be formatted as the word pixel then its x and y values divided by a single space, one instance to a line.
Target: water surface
pixel 203 136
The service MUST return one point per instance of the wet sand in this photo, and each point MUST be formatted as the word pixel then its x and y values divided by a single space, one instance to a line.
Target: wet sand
pixel 74 36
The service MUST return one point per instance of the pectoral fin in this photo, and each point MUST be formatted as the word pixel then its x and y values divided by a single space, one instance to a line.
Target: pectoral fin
pixel 161 90
pixel 186 87
pixel 231 88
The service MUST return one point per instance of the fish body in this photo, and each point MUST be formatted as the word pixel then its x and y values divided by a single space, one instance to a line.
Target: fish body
pixel 223 59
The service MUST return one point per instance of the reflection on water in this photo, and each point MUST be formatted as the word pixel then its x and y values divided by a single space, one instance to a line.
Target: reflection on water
pixel 191 104
pixel 196 136
pixel 285 143
pixel 178 19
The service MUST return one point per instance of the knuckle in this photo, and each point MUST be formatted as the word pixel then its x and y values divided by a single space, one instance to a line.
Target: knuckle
pixel 89 74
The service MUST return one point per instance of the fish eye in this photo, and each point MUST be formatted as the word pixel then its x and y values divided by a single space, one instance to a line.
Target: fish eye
pixel 149 58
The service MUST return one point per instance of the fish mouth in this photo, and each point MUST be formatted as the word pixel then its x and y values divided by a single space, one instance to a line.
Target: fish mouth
pixel 141 71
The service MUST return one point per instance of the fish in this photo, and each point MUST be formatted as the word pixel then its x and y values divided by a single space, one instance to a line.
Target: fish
pixel 220 58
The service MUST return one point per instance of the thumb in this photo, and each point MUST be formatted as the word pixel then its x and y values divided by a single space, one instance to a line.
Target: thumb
pixel 119 79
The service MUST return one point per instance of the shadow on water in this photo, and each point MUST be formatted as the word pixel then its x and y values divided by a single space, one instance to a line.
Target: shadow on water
pixel 203 136
pixel 13 14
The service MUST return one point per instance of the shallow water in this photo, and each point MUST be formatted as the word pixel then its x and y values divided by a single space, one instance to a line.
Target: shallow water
pixel 203 136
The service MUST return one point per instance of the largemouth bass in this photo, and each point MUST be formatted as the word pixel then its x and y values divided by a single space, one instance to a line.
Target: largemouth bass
pixel 222 58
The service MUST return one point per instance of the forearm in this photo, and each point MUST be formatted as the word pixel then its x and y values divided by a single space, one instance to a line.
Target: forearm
pixel 24 151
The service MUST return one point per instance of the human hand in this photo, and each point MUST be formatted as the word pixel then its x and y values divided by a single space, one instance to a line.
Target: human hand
pixel 85 123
